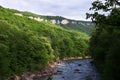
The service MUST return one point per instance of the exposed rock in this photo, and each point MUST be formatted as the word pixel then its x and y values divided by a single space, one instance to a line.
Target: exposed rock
pixel 44 73
pixel 79 64
pixel 63 77
pixel 27 76
pixel 14 78
pixel 77 71
pixel 59 72
pixel 91 62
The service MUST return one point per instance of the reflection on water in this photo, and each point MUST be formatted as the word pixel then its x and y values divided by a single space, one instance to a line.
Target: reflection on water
pixel 75 70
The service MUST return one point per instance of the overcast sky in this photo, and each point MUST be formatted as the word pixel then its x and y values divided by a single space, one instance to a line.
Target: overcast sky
pixel 73 9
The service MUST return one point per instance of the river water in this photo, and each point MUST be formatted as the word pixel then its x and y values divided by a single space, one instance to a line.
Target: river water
pixel 75 70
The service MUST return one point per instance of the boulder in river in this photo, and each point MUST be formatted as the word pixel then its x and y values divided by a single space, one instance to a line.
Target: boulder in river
pixel 77 71
pixel 59 72
pixel 63 77
pixel 79 64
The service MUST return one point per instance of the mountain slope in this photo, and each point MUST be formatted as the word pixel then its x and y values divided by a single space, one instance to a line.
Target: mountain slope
pixel 28 45
pixel 83 26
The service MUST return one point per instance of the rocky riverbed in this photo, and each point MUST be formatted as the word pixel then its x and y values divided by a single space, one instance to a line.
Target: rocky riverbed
pixel 74 70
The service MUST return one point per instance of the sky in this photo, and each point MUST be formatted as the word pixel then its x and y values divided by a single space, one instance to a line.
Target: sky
pixel 72 9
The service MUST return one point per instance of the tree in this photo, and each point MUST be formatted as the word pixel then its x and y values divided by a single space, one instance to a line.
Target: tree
pixel 104 42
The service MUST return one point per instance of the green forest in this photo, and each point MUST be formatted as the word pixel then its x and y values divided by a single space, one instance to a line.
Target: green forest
pixel 105 41
pixel 29 45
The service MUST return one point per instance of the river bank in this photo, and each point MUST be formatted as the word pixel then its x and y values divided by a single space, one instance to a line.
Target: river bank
pixel 75 69
pixel 49 70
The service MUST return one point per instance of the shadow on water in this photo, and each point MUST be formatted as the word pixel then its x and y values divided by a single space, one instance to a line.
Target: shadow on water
pixel 74 70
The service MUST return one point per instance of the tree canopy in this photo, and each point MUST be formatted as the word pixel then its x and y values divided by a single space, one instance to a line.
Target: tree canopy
pixel 105 42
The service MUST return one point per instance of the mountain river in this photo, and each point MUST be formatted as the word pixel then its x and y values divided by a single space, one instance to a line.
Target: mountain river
pixel 74 70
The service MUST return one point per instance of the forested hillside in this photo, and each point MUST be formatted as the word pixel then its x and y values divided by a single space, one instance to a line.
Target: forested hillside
pixel 105 41
pixel 30 45
pixel 82 26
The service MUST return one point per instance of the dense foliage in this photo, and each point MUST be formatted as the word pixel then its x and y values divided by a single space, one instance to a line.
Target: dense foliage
pixel 29 45
pixel 105 42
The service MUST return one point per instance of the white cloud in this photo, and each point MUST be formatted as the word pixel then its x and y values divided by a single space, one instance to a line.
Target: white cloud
pixel 74 9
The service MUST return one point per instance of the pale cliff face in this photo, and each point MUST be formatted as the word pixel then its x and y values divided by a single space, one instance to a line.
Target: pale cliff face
pixel 53 21
pixel 18 14
pixel 38 19
pixel 64 21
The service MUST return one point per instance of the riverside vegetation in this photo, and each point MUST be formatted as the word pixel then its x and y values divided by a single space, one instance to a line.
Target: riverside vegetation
pixel 105 41
pixel 29 45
